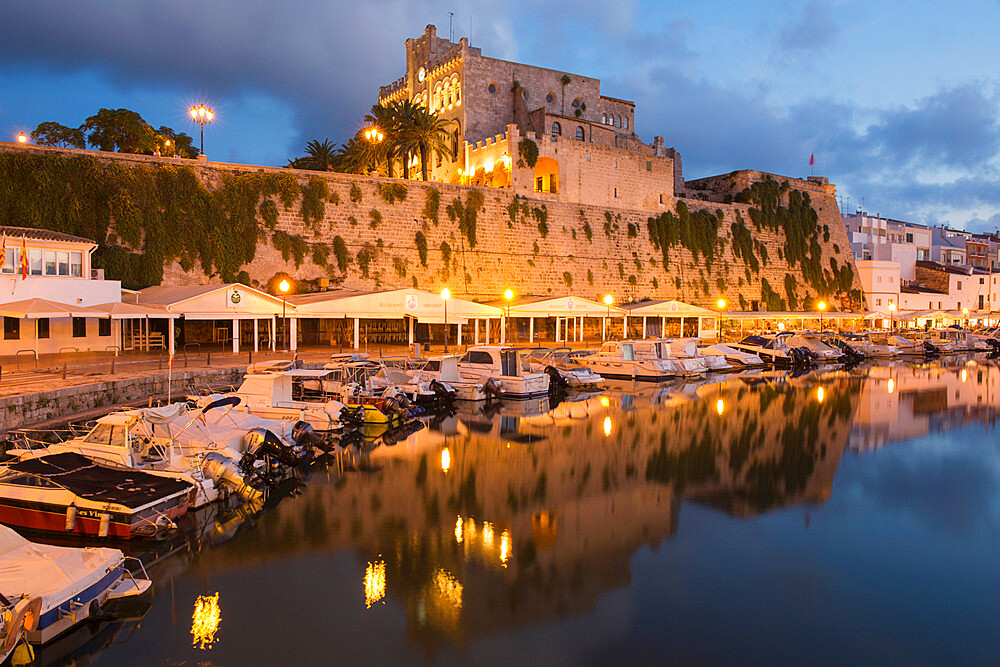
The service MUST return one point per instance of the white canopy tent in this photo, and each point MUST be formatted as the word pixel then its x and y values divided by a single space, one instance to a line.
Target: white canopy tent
pixel 412 305
pixel 676 309
pixel 564 309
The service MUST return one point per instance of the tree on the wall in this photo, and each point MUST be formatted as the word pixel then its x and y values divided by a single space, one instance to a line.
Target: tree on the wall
pixel 565 82
pixel 54 134
pixel 119 130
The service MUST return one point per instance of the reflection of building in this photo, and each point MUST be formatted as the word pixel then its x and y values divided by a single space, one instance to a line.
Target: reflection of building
pixel 499 533
pixel 588 150
pixel 899 402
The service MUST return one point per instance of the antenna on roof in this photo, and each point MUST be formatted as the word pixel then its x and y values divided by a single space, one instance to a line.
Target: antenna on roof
pixel 451 32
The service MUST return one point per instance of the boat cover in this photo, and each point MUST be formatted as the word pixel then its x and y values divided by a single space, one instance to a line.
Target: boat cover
pixel 87 479
pixel 54 573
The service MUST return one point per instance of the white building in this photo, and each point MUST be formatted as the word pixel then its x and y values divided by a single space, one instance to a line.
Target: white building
pixel 880 282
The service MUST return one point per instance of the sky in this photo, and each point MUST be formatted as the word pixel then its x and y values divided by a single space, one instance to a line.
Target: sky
pixel 897 100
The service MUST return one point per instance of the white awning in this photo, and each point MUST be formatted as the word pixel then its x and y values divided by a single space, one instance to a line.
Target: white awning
pixel 43 308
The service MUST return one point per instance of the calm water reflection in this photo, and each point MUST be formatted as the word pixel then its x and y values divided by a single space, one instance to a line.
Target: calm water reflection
pixel 831 517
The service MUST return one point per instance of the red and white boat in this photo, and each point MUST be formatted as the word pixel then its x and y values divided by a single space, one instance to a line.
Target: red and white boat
pixel 70 493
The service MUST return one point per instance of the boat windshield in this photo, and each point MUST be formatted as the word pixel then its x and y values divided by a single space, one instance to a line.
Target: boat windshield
pixel 112 435
pixel 628 352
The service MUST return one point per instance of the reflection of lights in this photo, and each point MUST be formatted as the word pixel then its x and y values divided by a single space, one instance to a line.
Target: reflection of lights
pixel 720 406
pixel 892 385
pixel 820 394
pixel 449 587
pixel 470 528
pixel 504 547
pixel 205 621
pixel 605 401
pixel 445 460
pixel 965 375
pixel 374 583
pixel 488 534
pixel 458 530
pixel 607 426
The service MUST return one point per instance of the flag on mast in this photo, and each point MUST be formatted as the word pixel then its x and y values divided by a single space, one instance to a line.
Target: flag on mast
pixel 812 159
pixel 24 259
pixel 3 251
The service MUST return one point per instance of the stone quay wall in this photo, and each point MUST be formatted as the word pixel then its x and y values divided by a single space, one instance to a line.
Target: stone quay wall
pixel 548 248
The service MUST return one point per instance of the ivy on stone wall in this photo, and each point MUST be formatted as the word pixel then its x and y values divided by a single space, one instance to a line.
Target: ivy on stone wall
pixel 528 150
pixel 770 297
pixel 290 246
pixel 421 242
pixel 698 232
pixel 341 254
pixel 790 286
pixel 355 194
pixel 313 208
pixel 269 213
pixel 320 254
pixel 376 218
pixel 432 204
pixel 366 256
pixel 445 253
pixel 392 192
pixel 467 214
pixel 161 211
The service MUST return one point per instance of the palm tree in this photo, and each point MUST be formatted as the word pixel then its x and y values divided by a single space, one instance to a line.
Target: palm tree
pixel 321 156
pixel 404 114
pixel 424 132
pixel 565 82
pixel 354 157
pixel 385 119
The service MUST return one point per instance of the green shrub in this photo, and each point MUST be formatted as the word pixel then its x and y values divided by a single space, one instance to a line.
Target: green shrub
pixel 421 241
pixel 376 218
pixel 340 252
pixel 392 192
pixel 568 279
pixel 355 194
pixel 290 246
pixel 528 150
pixel 432 203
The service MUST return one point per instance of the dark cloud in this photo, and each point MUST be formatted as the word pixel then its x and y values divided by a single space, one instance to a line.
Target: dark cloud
pixel 812 29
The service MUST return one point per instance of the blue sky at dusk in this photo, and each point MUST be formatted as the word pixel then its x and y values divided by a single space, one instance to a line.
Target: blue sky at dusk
pixel 899 101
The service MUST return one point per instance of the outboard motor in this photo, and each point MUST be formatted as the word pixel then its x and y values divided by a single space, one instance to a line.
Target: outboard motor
pixel 264 451
pixel 443 393
pixel 224 472
pixel 931 348
pixel 492 389
pixel 556 379
pixel 306 437
pixel 352 415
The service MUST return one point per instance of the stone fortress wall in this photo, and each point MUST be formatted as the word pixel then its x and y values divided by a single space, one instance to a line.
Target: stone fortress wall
pixel 533 246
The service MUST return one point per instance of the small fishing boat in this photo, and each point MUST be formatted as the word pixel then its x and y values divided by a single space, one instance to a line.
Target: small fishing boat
pixel 687 348
pixel 822 352
pixel 737 358
pixel 773 349
pixel 618 360
pixel 71 493
pixel 47 590
pixel 502 370
pixel 660 350
pixel 444 369
pixel 564 370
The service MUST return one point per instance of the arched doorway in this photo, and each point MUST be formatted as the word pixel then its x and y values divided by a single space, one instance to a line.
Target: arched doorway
pixel 546 175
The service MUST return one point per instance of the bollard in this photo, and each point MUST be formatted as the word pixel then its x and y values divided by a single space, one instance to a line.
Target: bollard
pixel 159 362
pixel 112 365
pixel 208 358
pixel 249 357
pixel 64 370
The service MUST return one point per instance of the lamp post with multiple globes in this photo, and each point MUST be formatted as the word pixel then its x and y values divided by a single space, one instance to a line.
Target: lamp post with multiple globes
pixel 892 314
pixel 22 138
pixel 508 297
pixel 202 115
pixel 445 295
pixel 965 313
pixel 721 303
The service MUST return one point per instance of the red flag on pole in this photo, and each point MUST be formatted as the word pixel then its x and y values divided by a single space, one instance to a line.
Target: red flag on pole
pixel 24 259
pixel 812 159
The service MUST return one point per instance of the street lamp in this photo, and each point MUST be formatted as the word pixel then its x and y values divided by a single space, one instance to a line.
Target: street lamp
pixel 22 138
pixel 965 312
pixel 373 135
pixel 892 313
pixel 608 300
pixel 283 287
pixel 822 306
pixel 202 115
pixel 508 295
pixel 721 303
pixel 445 295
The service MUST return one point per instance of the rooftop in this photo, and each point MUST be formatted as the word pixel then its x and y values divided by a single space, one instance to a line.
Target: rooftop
pixel 41 235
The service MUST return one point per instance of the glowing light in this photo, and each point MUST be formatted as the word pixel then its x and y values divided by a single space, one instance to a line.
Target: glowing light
pixel 892 305
pixel 448 587
pixel 488 534
pixel 470 528
pixel 720 406
pixel 445 460
pixel 374 583
pixel 892 385
pixel 205 621
pixel 22 138
pixel 504 547
pixel 721 303
pixel 509 294
pixel 488 166
pixel 965 311
pixel 460 171
pixel 608 299
pixel 605 401
pixel 458 530
pixel 284 286
pixel 820 394
pixel 821 305
pixel 446 294
pixel 607 426
pixel 965 375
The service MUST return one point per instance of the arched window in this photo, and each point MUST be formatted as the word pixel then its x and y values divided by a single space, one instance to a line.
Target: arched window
pixel 604 118
pixel 580 136
pixel 556 130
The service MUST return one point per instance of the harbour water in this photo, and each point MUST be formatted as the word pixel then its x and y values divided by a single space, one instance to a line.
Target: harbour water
pixel 841 515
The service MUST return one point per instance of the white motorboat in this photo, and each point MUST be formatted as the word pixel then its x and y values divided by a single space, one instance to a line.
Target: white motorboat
pixel 47 590
pixel 865 344
pixel 502 369
pixel 735 357
pixel 906 347
pixel 618 360
pixel 563 368
pixel 216 448
pixel 772 349
pixel 660 349
pixel 687 348
pixel 444 369
pixel 823 352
